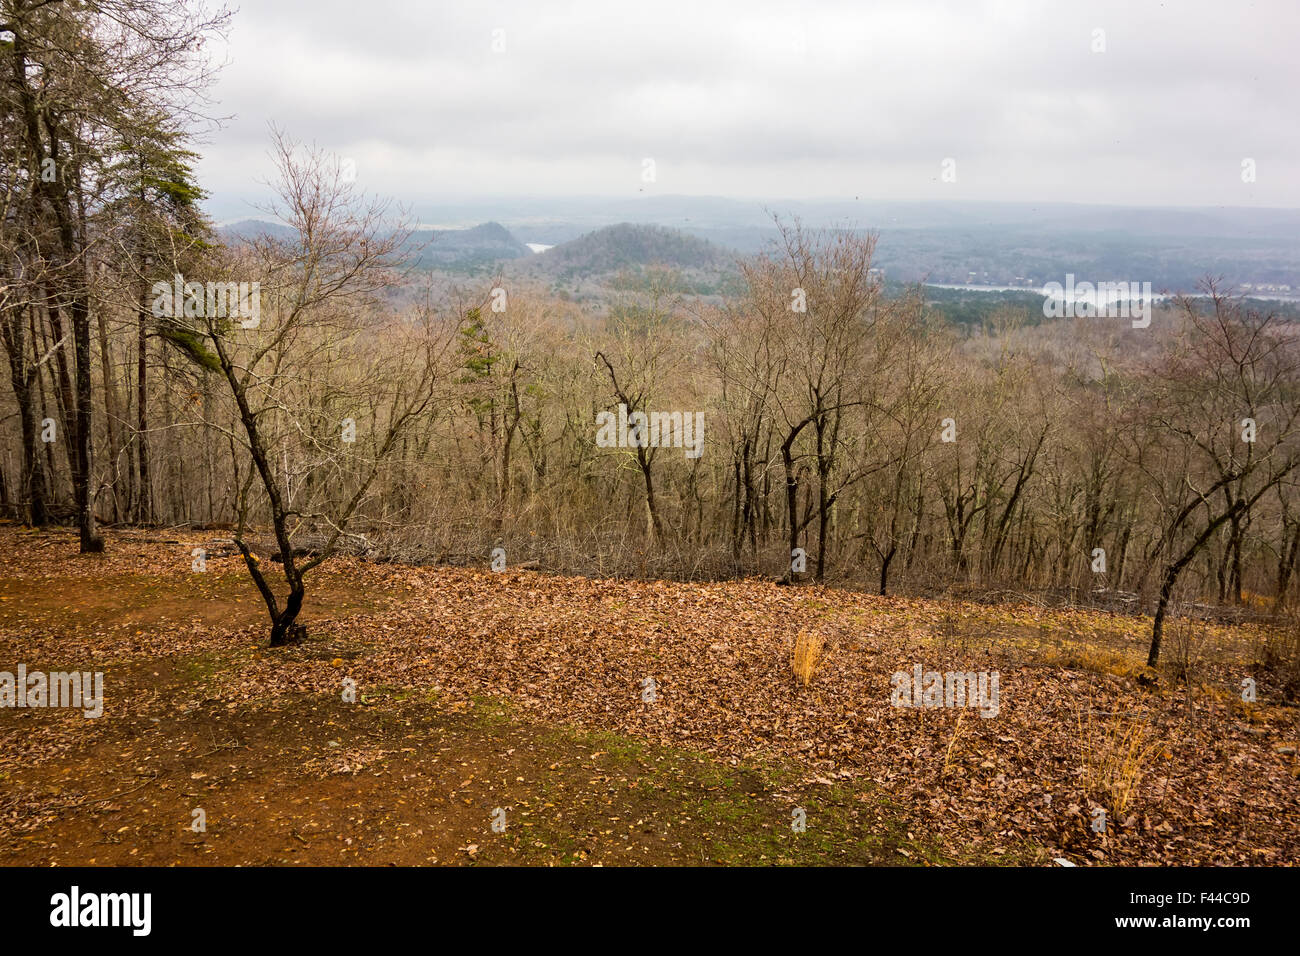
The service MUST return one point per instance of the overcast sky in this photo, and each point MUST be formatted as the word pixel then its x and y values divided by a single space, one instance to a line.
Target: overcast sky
pixel 771 100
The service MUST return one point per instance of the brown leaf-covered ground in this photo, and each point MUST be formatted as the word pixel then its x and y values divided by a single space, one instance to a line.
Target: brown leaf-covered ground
pixel 523 692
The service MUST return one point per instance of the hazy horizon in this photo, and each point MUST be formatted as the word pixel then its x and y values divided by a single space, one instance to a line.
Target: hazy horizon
pixel 756 211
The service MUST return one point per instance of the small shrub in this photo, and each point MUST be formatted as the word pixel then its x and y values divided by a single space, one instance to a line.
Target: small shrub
pixel 1184 642
pixel 1280 656
pixel 949 629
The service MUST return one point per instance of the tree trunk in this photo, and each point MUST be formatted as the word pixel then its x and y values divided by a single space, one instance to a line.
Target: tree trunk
pixel 284 630
pixel 1172 572
pixel 144 503
pixel 113 418
pixel 91 542
pixel 1286 565
pixel 791 503
pixel 884 567
pixel 72 278
pixel 823 501
pixel 31 490
pixel 652 510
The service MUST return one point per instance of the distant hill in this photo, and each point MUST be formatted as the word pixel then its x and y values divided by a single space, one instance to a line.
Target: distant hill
pixel 246 229
pixel 628 246
pixel 484 244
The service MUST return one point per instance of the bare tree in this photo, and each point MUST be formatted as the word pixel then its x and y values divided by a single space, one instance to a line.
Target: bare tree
pixel 317 299
pixel 1224 409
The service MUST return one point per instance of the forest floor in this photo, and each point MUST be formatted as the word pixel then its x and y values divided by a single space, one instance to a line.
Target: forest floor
pixel 521 699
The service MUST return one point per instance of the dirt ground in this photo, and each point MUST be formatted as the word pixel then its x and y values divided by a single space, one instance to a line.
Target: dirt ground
pixel 504 719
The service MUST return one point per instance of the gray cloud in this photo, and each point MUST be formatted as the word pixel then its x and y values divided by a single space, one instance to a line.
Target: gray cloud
pixel 773 99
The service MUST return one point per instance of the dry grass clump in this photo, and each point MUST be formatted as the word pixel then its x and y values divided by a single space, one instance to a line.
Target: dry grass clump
pixel 1115 754
pixel 807 654
pixel 956 733
pixel 1098 660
